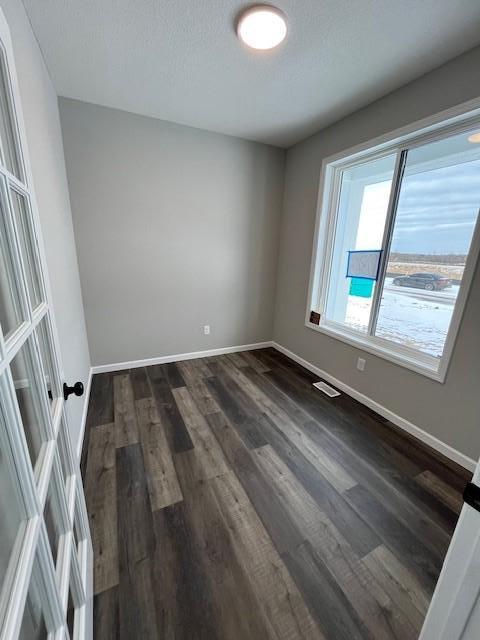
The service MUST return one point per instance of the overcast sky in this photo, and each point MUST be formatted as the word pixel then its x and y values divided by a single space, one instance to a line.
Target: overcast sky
pixel 437 210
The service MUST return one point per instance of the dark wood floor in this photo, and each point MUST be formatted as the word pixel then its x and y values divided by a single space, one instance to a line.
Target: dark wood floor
pixel 229 499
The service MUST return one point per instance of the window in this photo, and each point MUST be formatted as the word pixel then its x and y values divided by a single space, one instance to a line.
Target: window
pixel 397 243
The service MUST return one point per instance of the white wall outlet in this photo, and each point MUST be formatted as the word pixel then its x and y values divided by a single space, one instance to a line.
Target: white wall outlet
pixel 361 364
pixel 206 329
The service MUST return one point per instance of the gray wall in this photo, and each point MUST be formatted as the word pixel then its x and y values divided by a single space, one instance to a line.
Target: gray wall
pixel 44 138
pixel 175 228
pixel 450 411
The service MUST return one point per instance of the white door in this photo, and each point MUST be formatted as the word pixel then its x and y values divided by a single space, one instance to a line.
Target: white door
pixel 45 546
pixel 454 612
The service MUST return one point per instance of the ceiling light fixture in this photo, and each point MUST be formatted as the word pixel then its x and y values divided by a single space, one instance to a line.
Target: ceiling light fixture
pixel 475 137
pixel 262 27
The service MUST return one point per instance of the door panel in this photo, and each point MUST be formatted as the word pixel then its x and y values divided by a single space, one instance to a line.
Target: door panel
pixel 45 545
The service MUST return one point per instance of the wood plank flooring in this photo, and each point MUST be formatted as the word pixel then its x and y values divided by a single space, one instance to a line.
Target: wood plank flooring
pixel 230 500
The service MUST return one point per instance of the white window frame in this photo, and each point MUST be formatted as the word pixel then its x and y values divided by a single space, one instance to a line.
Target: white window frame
pixel 455 120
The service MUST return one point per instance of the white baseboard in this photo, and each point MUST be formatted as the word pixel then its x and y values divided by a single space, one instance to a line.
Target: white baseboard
pixel 84 416
pixel 409 427
pixel 133 364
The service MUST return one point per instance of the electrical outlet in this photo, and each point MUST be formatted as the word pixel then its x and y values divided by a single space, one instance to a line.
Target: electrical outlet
pixel 361 364
pixel 206 329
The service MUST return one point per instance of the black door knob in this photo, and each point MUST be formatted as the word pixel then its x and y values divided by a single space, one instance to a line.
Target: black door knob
pixel 77 389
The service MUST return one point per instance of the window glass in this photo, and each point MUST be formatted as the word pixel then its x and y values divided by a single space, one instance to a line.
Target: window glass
pixel 52 519
pixel 74 603
pixel 70 614
pixel 51 386
pixel 360 224
pixel 62 450
pixel 11 510
pixel 24 382
pixel 27 246
pixel 33 622
pixel 77 528
pixel 436 215
pixel 8 134
pixel 11 316
pixel 391 269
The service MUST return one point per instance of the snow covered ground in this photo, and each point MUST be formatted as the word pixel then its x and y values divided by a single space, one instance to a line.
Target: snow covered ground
pixel 412 317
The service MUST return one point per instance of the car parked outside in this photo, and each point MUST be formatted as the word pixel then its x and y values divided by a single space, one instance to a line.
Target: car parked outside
pixel 428 281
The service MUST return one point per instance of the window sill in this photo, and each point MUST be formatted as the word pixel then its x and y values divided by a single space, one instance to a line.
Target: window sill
pixel 429 367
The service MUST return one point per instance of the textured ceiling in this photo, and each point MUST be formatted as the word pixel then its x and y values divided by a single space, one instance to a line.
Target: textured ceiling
pixel 180 60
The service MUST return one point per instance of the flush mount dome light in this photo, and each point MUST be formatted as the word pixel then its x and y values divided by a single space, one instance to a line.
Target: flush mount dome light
pixel 475 137
pixel 262 27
